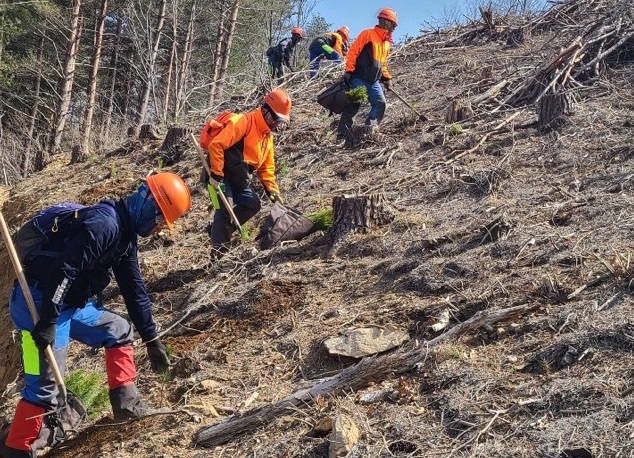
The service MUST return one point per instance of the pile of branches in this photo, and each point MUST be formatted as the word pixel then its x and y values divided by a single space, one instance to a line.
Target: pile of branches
pixel 603 36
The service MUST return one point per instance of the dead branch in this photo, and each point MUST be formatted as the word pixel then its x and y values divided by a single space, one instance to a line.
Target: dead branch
pixel 482 140
pixel 352 378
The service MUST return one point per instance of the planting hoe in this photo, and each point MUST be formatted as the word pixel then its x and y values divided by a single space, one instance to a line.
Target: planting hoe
pixel 421 116
pixel 221 194
pixel 59 380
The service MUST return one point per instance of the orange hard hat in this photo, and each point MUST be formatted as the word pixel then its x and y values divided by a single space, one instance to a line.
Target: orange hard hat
pixel 389 14
pixel 171 194
pixel 297 31
pixel 280 103
pixel 344 31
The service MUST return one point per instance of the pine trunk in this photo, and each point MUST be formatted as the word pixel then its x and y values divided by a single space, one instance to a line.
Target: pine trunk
pixel 226 50
pixel 65 85
pixel 216 64
pixel 151 65
pixel 181 83
pixel 24 163
pixel 114 60
pixel 91 93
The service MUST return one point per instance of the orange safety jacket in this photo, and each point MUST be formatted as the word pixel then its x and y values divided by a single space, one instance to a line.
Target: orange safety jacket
pixel 367 57
pixel 338 43
pixel 245 144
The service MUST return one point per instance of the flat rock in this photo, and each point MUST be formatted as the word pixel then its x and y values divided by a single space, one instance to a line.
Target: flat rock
pixel 360 342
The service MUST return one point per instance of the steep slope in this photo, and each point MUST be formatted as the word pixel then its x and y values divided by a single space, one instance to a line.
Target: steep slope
pixel 527 216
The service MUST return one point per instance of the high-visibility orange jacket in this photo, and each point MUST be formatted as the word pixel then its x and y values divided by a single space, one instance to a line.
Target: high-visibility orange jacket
pixel 329 41
pixel 245 144
pixel 338 43
pixel 367 57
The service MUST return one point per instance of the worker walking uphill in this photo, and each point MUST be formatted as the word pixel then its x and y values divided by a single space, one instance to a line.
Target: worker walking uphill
pixel 243 146
pixel 366 66
pixel 282 53
pixel 331 46
pixel 66 274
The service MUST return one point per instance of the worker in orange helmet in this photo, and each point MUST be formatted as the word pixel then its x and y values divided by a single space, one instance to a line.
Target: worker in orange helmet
pixel 330 45
pixel 244 146
pixel 282 53
pixel 66 271
pixel 366 65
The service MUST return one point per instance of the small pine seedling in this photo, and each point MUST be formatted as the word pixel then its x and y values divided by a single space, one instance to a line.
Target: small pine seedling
pixel 91 388
pixel 357 94
pixel 322 219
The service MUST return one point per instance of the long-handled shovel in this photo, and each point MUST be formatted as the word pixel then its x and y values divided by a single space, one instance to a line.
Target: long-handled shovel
pixel 221 194
pixel 421 116
pixel 48 351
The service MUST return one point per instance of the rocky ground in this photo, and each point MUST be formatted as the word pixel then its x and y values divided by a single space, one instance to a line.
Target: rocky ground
pixel 485 218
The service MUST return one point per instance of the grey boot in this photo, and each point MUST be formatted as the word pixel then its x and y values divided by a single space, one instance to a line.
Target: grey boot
pixel 126 403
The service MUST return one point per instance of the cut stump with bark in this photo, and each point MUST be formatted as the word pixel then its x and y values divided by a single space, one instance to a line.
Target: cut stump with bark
pixel 77 155
pixel 174 145
pixel 552 110
pixel 458 110
pixel 148 133
pixel 354 213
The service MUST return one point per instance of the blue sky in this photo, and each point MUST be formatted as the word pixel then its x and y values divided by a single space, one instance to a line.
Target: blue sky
pixel 361 14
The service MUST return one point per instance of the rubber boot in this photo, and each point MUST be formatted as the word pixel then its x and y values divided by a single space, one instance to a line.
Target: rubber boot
pixel 14 453
pixel 24 430
pixel 126 403
pixel 124 395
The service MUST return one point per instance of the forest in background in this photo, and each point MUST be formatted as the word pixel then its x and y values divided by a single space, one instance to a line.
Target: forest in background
pixel 82 75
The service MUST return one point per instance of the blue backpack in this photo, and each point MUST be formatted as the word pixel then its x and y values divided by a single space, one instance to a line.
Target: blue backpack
pixel 53 224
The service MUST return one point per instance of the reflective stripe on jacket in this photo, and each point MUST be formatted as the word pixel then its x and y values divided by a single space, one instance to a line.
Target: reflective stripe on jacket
pixel 329 39
pixel 243 145
pixel 367 57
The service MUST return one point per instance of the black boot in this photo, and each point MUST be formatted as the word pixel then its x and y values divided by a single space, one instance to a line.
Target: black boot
pixel 126 403
pixel 15 453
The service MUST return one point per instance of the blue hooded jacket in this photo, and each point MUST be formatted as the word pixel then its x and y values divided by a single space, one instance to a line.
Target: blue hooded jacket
pixel 103 242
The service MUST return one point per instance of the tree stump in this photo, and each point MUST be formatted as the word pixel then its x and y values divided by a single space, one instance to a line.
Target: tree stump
pixel 487 16
pixel 552 110
pixel 148 133
pixel 486 73
pixel 353 213
pixel 174 145
pixel 515 37
pixel 77 155
pixel 41 159
pixel 458 110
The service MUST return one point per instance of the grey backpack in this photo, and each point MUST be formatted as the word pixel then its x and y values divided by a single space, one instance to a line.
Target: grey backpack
pixel 283 224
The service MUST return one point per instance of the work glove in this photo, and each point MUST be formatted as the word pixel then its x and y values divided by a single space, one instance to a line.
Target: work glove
pixel 346 79
pixel 43 333
pixel 157 354
pixel 275 197
pixel 387 84
pixel 215 180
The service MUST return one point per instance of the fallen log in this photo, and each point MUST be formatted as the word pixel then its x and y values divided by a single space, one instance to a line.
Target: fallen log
pixel 371 369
